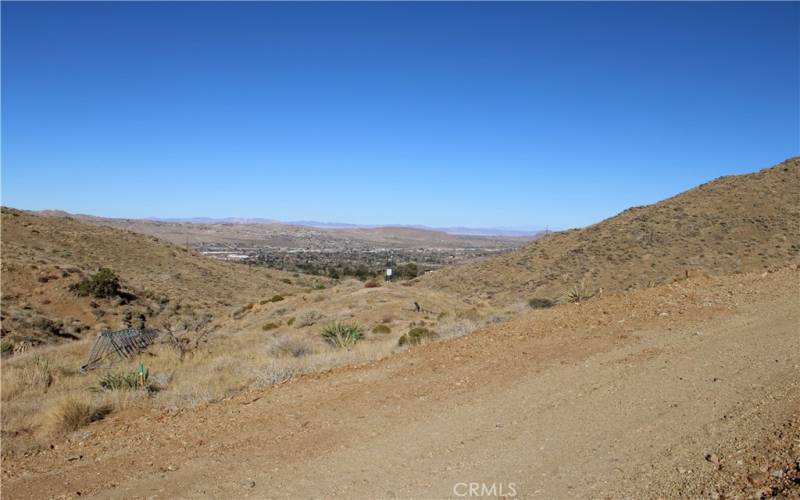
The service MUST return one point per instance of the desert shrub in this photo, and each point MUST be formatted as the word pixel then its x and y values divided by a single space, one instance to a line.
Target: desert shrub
pixel 381 329
pixel 270 326
pixel 457 328
pixel 71 413
pixel 372 283
pixel 407 271
pixel 290 321
pixel 416 335
pixel 286 345
pixel 308 318
pixel 341 334
pixel 362 272
pixel 5 347
pixel 276 298
pixel 102 284
pixel 122 381
pixel 577 293
pixel 276 372
pixel 538 303
pixel 469 314
pixel 287 281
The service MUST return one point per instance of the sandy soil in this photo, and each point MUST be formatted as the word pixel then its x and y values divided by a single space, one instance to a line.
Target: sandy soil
pixel 689 389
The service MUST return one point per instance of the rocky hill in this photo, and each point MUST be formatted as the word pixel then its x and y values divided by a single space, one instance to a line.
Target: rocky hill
pixel 732 224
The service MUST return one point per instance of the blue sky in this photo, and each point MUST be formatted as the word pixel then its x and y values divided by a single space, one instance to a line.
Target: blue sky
pixel 475 114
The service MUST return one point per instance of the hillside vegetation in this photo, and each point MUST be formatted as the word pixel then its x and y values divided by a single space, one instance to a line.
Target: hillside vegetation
pixel 160 284
pixel 733 224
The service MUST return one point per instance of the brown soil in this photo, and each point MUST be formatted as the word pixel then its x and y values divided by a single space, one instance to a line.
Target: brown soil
pixel 686 389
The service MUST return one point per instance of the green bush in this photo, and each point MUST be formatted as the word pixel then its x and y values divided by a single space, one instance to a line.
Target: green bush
pixel 102 284
pixel 276 298
pixel 537 303
pixel 290 321
pixel 270 326
pixel 407 271
pixel 416 335
pixel 362 272
pixel 340 334
pixel 287 281
pixel 381 329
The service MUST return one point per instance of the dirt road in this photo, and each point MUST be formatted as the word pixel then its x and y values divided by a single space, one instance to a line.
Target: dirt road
pixel 691 388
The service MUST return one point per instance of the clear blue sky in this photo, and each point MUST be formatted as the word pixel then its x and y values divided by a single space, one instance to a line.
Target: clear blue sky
pixel 478 114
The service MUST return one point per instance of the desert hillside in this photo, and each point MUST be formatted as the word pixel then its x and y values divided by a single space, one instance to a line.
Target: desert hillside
pixel 733 224
pixel 162 284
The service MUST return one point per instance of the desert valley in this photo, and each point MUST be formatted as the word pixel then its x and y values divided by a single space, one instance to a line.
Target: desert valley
pixel 653 354
pixel 399 250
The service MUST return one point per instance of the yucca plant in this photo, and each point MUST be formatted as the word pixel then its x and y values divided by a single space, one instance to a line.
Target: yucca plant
pixel 341 334
pixel 121 381
pixel 577 293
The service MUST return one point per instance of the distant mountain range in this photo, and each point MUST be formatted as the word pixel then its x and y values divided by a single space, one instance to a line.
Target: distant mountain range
pixel 521 232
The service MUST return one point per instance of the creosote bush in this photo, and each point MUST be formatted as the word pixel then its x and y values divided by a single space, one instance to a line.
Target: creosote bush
pixel 407 271
pixel 416 335
pixel 269 326
pixel 538 303
pixel 276 298
pixel 381 329
pixel 102 284
pixel 340 334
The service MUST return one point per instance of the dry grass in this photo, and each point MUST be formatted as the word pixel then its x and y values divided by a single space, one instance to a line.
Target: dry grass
pixel 372 283
pixel 35 374
pixel 278 370
pixel 70 413
pixel 309 318
pixel 286 345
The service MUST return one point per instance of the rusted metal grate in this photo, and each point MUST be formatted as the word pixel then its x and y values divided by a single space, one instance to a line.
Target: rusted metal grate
pixel 124 343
